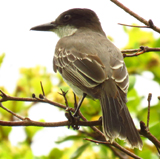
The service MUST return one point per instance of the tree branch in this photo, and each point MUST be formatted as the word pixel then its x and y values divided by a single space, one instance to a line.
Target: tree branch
pixel 146 133
pixel 28 122
pixel 145 129
pixel 149 23
pixel 33 99
pixel 9 111
pixel 115 145
pixel 149 105
pixel 118 153
pixel 137 52
pixel 134 26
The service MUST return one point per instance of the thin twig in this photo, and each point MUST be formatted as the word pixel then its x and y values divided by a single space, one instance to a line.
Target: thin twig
pixel 68 114
pixel 28 122
pixel 149 104
pixel 119 153
pixel 42 88
pixel 148 23
pixel 147 49
pixel 64 96
pixel 136 52
pixel 146 133
pixel 117 146
pixel 9 111
pixel 136 26
pixel 3 94
pixel 34 99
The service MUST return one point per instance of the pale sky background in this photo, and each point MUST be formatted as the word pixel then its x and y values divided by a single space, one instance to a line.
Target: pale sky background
pixel 24 48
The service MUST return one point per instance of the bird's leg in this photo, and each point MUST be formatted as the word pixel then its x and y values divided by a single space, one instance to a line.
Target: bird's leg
pixel 79 105
pixel 73 119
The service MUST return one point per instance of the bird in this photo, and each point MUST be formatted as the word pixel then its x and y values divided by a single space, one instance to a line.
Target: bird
pixel 94 67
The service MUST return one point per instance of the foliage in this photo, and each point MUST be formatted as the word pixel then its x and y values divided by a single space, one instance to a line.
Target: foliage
pixel 1 58
pixel 29 83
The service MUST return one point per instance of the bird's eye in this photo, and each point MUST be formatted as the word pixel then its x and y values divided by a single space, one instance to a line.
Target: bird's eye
pixel 67 17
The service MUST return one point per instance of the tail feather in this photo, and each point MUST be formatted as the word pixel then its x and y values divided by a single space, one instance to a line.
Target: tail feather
pixel 116 119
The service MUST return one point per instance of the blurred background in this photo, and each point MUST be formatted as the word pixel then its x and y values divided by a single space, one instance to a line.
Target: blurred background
pixel 26 59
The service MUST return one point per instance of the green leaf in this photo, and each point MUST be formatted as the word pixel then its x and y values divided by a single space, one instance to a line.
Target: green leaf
pixel 153 129
pixel 139 37
pixel 1 58
pixel 134 100
pixel 31 77
pixel 146 153
pixel 55 154
pixel 4 132
pixel 154 117
pixel 79 151
pixel 132 81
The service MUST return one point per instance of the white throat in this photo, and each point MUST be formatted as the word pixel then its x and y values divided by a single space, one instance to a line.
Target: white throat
pixel 63 31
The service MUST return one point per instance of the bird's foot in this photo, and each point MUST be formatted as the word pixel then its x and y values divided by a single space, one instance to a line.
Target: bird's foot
pixel 73 119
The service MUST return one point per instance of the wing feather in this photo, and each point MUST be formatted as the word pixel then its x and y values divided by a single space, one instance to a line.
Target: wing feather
pixel 119 73
pixel 86 70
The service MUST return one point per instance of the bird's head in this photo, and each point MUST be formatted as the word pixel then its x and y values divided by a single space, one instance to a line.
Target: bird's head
pixel 68 22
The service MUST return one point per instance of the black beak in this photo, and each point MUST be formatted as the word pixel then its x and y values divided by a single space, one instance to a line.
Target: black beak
pixel 45 27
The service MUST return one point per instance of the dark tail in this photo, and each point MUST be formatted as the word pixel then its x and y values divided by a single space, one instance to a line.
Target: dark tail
pixel 116 119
